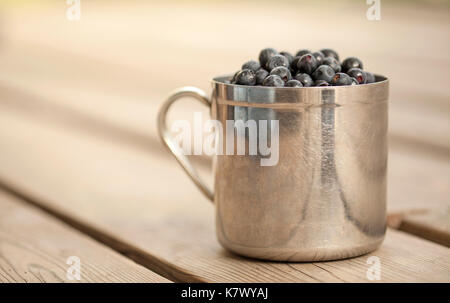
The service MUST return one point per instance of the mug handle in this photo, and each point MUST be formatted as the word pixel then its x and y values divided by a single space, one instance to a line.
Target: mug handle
pixel 198 94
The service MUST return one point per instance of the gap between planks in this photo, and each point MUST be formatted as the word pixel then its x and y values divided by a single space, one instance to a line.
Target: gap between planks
pixel 88 181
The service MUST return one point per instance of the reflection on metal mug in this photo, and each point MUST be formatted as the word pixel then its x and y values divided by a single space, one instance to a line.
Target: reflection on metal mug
pixel 325 198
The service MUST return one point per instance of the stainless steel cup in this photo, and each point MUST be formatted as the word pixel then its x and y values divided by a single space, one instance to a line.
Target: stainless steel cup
pixel 326 197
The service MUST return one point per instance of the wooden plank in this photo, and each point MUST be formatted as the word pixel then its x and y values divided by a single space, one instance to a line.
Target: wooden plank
pixel 35 247
pixel 125 197
pixel 108 71
pixel 431 225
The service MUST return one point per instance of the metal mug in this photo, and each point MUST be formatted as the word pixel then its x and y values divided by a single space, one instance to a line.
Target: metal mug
pixel 326 197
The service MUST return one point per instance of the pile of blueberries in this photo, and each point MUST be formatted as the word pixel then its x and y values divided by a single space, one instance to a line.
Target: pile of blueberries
pixel 305 69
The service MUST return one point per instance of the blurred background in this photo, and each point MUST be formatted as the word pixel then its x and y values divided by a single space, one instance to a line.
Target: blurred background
pixel 109 71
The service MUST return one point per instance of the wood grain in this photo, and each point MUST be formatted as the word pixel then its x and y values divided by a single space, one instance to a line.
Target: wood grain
pixel 34 247
pixel 143 206
pixel 119 74
pixel 432 225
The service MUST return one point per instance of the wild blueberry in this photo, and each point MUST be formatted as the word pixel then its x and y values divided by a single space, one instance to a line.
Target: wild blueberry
pixel 246 77
pixel 354 81
pixel 294 62
pixel 321 83
pixel 273 80
pixel 370 78
pixel 319 57
pixel 252 65
pixel 330 53
pixel 277 60
pixel 307 64
pixel 305 79
pixel 323 72
pixel 341 79
pixel 358 74
pixel 260 75
pixel 265 55
pixel 350 63
pixel 302 52
pixel 233 79
pixel 333 63
pixel 293 83
pixel 288 56
pixel 283 72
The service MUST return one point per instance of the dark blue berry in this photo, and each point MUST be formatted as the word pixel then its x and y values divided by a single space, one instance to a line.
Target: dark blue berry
pixel 246 77
pixel 295 62
pixel 288 56
pixel 252 65
pixel 354 81
pixel 333 63
pixel 341 79
pixel 307 64
pixel 319 57
pixel 265 55
pixel 260 75
pixel 302 52
pixel 350 63
pixel 358 74
pixel 273 80
pixel 282 72
pixel 323 72
pixel 305 79
pixel 370 78
pixel 277 60
pixel 321 83
pixel 293 83
pixel 233 79
pixel 330 53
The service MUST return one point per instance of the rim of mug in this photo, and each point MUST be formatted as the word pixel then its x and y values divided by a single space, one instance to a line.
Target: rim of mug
pixel 379 79
pixel 288 97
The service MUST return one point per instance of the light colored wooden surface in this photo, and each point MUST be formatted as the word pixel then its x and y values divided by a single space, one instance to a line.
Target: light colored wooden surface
pixel 432 225
pixel 78 102
pixel 35 247
pixel 112 192
pixel 120 74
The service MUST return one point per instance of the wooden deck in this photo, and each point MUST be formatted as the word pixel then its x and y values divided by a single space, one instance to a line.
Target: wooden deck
pixel 82 172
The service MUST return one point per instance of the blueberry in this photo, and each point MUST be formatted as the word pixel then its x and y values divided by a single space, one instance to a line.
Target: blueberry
pixel 335 65
pixel 293 83
pixel 252 65
pixel 321 83
pixel 305 79
pixel 233 79
pixel 341 79
pixel 260 75
pixel 358 74
pixel 323 72
pixel 370 78
pixel 283 72
pixel 354 81
pixel 246 77
pixel 307 64
pixel 273 80
pixel 288 56
pixel 302 52
pixel 277 60
pixel 319 57
pixel 295 62
pixel 265 55
pixel 330 53
pixel 350 63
